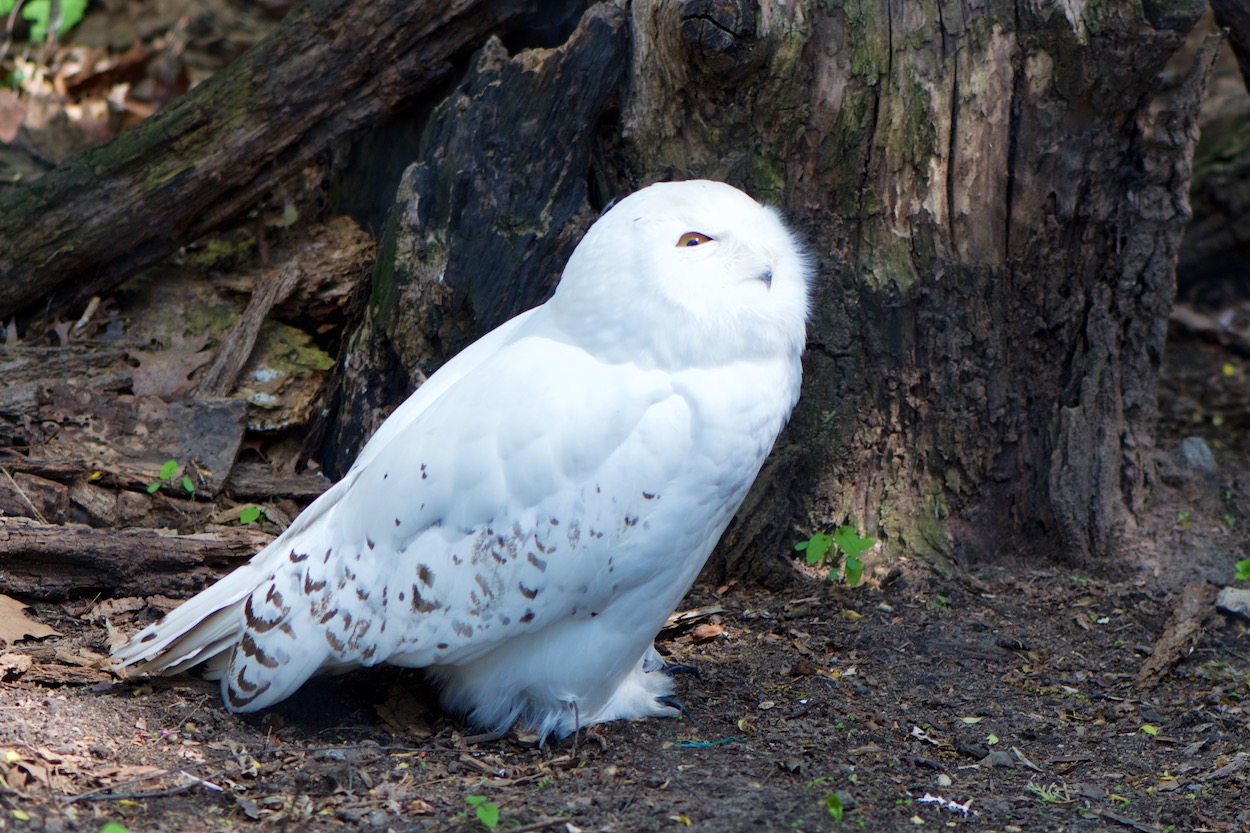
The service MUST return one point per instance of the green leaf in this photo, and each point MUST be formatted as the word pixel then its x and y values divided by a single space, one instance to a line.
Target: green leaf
pixel 817 547
pixel 152 487
pixel 249 515
pixel 854 570
pixel 113 827
pixel 488 814
pixel 39 13
pixel 849 542
pixel 1243 570
pixel 169 469
pixel 834 805
pixel 474 800
pixel 187 484
pixel 6 6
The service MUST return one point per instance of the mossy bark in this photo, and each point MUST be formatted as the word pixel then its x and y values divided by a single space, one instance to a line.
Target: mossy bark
pixel 994 209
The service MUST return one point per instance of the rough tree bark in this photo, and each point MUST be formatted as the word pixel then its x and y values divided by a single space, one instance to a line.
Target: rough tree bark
pixel 994 209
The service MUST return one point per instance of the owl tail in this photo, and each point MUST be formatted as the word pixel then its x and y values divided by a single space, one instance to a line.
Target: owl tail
pixel 201 630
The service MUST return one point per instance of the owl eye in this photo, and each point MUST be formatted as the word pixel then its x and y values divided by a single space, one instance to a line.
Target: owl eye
pixel 693 238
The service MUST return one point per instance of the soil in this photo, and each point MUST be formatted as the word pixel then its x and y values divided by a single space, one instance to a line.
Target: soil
pixel 997 701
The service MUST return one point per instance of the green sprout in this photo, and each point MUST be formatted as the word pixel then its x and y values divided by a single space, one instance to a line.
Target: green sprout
pixel 842 549
pixel 39 13
pixel 487 813
pixel 166 477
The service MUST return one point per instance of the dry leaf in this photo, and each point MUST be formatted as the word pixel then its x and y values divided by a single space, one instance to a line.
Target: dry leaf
pixel 14 625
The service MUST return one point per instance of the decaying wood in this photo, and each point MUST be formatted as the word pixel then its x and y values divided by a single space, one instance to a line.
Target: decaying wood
pixel 257 481
pixel 485 217
pixel 1180 634
pixel 57 562
pixel 27 496
pixel 235 349
pixel 331 68
pixel 1235 16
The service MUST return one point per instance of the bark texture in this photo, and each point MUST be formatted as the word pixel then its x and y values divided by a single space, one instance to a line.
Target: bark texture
pixel 483 223
pixel 995 212
pixel 333 67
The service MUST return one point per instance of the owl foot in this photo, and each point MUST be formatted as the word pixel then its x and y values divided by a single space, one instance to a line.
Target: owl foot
pixel 674 703
pixel 693 671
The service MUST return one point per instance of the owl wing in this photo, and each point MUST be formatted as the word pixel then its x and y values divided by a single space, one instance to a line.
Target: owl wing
pixel 504 501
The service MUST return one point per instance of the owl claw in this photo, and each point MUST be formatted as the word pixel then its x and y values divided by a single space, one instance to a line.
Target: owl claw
pixel 693 671
pixel 674 703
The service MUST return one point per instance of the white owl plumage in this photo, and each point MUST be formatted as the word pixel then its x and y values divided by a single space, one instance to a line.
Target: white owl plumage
pixel 525 522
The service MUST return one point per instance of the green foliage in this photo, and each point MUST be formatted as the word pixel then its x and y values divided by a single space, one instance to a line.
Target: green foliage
pixel 834 805
pixel 39 13
pixel 840 550
pixel 1243 570
pixel 166 478
pixel 249 515
pixel 112 826
pixel 487 813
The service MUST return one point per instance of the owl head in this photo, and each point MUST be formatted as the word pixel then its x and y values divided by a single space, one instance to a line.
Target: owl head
pixel 683 273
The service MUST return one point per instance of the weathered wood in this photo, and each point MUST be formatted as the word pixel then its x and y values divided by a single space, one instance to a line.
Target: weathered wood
pixel 54 563
pixel 257 481
pixel 484 219
pixel 1180 634
pixel 236 346
pixel 27 496
pixel 331 68
pixel 1235 16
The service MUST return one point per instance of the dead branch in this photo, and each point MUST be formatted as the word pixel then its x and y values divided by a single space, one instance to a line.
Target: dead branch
pixel 331 68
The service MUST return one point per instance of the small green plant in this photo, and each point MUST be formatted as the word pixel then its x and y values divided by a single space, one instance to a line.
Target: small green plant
pixel 1243 570
pixel 114 827
pixel 39 13
pixel 168 472
pixel 834 805
pixel 250 515
pixel 1184 519
pixel 1051 793
pixel 842 549
pixel 487 813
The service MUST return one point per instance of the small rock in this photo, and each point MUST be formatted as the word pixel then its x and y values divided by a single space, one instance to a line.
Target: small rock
pixel 944 780
pixel 1234 600
pixel 1194 454
pixel 998 758
pixel 1092 791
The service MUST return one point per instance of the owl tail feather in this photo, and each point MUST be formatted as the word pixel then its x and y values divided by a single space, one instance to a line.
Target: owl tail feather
pixel 205 626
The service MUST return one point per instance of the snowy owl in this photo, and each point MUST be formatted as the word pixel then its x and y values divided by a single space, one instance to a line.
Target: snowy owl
pixel 525 522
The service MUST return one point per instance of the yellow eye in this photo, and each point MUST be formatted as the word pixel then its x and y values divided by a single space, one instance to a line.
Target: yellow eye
pixel 693 238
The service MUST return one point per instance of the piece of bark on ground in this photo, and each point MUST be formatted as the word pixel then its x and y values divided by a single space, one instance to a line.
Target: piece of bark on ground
pixel 1180 634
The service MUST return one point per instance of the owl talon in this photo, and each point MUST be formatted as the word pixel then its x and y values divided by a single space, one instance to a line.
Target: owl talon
pixel 674 703
pixel 692 670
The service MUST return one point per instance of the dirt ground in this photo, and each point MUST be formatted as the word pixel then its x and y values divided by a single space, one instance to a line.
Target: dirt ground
pixel 1001 700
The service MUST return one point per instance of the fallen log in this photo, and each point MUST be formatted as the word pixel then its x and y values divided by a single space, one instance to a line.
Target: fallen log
pixel 53 563
pixel 333 67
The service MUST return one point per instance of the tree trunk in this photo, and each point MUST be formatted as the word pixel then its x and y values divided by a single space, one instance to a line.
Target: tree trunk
pixel 995 212
pixel 994 209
